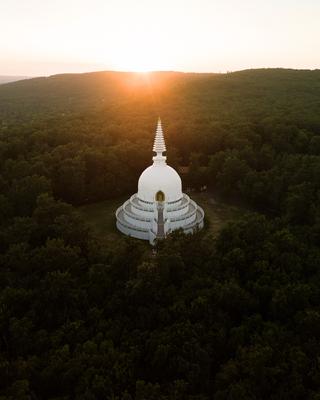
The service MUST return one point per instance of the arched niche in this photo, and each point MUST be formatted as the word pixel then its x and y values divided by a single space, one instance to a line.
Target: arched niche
pixel 160 196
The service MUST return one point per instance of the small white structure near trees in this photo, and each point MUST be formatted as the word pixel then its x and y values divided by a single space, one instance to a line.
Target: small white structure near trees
pixel 159 207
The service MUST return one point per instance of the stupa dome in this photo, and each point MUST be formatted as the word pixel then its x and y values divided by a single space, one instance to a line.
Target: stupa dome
pixel 159 177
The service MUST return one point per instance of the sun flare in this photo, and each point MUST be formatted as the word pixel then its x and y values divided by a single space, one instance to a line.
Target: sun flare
pixel 141 58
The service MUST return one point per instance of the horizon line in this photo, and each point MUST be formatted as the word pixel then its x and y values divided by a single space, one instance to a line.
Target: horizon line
pixel 155 71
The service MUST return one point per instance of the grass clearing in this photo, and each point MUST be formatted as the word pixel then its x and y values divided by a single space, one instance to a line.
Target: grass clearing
pixel 101 217
pixel 217 212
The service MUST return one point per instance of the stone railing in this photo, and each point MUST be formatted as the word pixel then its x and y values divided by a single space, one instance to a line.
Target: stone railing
pixel 134 201
pixel 185 201
pixel 188 214
pixel 132 215
pixel 126 225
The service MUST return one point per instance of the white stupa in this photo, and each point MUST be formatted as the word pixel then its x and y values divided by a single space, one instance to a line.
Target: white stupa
pixel 159 207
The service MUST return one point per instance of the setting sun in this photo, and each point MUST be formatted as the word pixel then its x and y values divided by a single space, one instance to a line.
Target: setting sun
pixel 138 59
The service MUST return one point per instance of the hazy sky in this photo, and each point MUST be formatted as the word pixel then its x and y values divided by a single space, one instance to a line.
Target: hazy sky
pixel 42 37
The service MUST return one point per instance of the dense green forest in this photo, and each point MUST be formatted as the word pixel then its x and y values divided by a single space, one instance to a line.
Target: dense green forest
pixel 232 317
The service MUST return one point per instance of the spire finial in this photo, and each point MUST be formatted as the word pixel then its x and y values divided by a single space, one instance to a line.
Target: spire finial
pixel 159 145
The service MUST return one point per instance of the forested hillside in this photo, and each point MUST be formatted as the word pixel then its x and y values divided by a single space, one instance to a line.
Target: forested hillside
pixel 232 317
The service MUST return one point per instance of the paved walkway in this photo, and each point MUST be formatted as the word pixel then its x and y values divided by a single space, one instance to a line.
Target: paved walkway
pixel 160 232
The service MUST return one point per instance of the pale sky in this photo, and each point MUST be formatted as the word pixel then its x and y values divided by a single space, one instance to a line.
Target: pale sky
pixel 42 37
